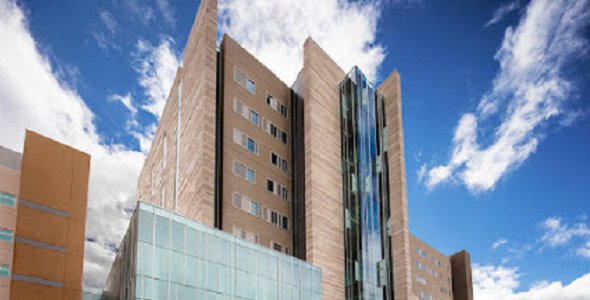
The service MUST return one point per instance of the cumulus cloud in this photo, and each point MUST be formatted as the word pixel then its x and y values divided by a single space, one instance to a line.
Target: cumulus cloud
pixel 529 90
pixel 557 233
pixel 156 67
pixel 499 243
pixel 500 282
pixel 274 32
pixel 502 12
pixel 33 96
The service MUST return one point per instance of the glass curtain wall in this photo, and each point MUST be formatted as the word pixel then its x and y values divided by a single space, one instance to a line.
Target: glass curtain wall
pixel 368 251
pixel 180 259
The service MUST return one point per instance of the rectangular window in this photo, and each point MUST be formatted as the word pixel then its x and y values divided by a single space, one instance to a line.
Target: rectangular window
pixel 245 204
pixel 245 111
pixel 4 271
pixel 246 235
pixel 243 80
pixel 6 235
pixel 252 87
pixel 279 247
pixel 275 131
pixel 164 152
pixel 277 189
pixel 279 162
pixel 244 172
pixel 276 105
pixel 254 117
pixel 275 218
pixel 7 199
pixel 245 141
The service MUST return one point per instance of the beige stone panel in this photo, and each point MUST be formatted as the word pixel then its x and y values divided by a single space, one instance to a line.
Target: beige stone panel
pixel 46 174
pixel 7 217
pixel 39 262
pixel 9 181
pixel 197 145
pixel 4 288
pixel 28 291
pixel 41 226
pixel 76 238
pixel 73 274
pixel 79 198
pixel 323 178
pixel 434 282
pixel 234 56
pixel 391 91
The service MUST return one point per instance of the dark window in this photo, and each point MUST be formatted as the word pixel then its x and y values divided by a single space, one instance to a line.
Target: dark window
pixel 270 185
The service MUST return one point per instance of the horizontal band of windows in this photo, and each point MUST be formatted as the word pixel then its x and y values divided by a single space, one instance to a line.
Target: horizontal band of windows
pixel 26 241
pixel 7 199
pixel 35 280
pixel 44 208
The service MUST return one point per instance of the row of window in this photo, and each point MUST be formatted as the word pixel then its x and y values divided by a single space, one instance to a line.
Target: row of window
pixel 434 259
pixel 244 172
pixel 275 131
pixel 277 189
pixel 7 199
pixel 427 296
pixel 277 105
pixel 279 162
pixel 245 204
pixel 279 247
pixel 244 81
pixel 275 218
pixel 246 112
pixel 4 271
pixel 421 280
pixel 6 235
pixel 429 270
pixel 245 141
pixel 246 235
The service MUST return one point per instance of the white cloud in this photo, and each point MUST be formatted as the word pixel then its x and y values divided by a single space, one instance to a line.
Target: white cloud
pixel 422 172
pixel 33 96
pixel 499 243
pixel 528 91
pixel 109 21
pixel 502 12
pixel 499 283
pixel 557 233
pixel 156 67
pixel 274 32
pixel 166 10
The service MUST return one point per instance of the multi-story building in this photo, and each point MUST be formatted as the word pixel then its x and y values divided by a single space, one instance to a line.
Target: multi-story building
pixel 43 198
pixel 315 170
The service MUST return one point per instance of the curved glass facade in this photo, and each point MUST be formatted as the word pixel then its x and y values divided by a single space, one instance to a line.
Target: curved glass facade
pixel 368 255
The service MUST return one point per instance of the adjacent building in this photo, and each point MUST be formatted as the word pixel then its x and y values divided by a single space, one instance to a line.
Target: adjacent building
pixel 314 170
pixel 43 199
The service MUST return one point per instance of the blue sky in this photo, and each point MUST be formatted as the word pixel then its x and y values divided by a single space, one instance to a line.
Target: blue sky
pixel 495 102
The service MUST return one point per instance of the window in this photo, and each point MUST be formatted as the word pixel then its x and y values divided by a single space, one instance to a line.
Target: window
pixel 279 247
pixel 277 189
pixel 4 271
pixel 164 152
pixel 245 141
pixel 279 162
pixel 246 235
pixel 276 105
pixel 276 132
pixel 244 172
pixel 6 235
pixel 244 81
pixel 163 199
pixel 246 112
pixel 275 218
pixel 7 199
pixel 252 87
pixel 245 204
